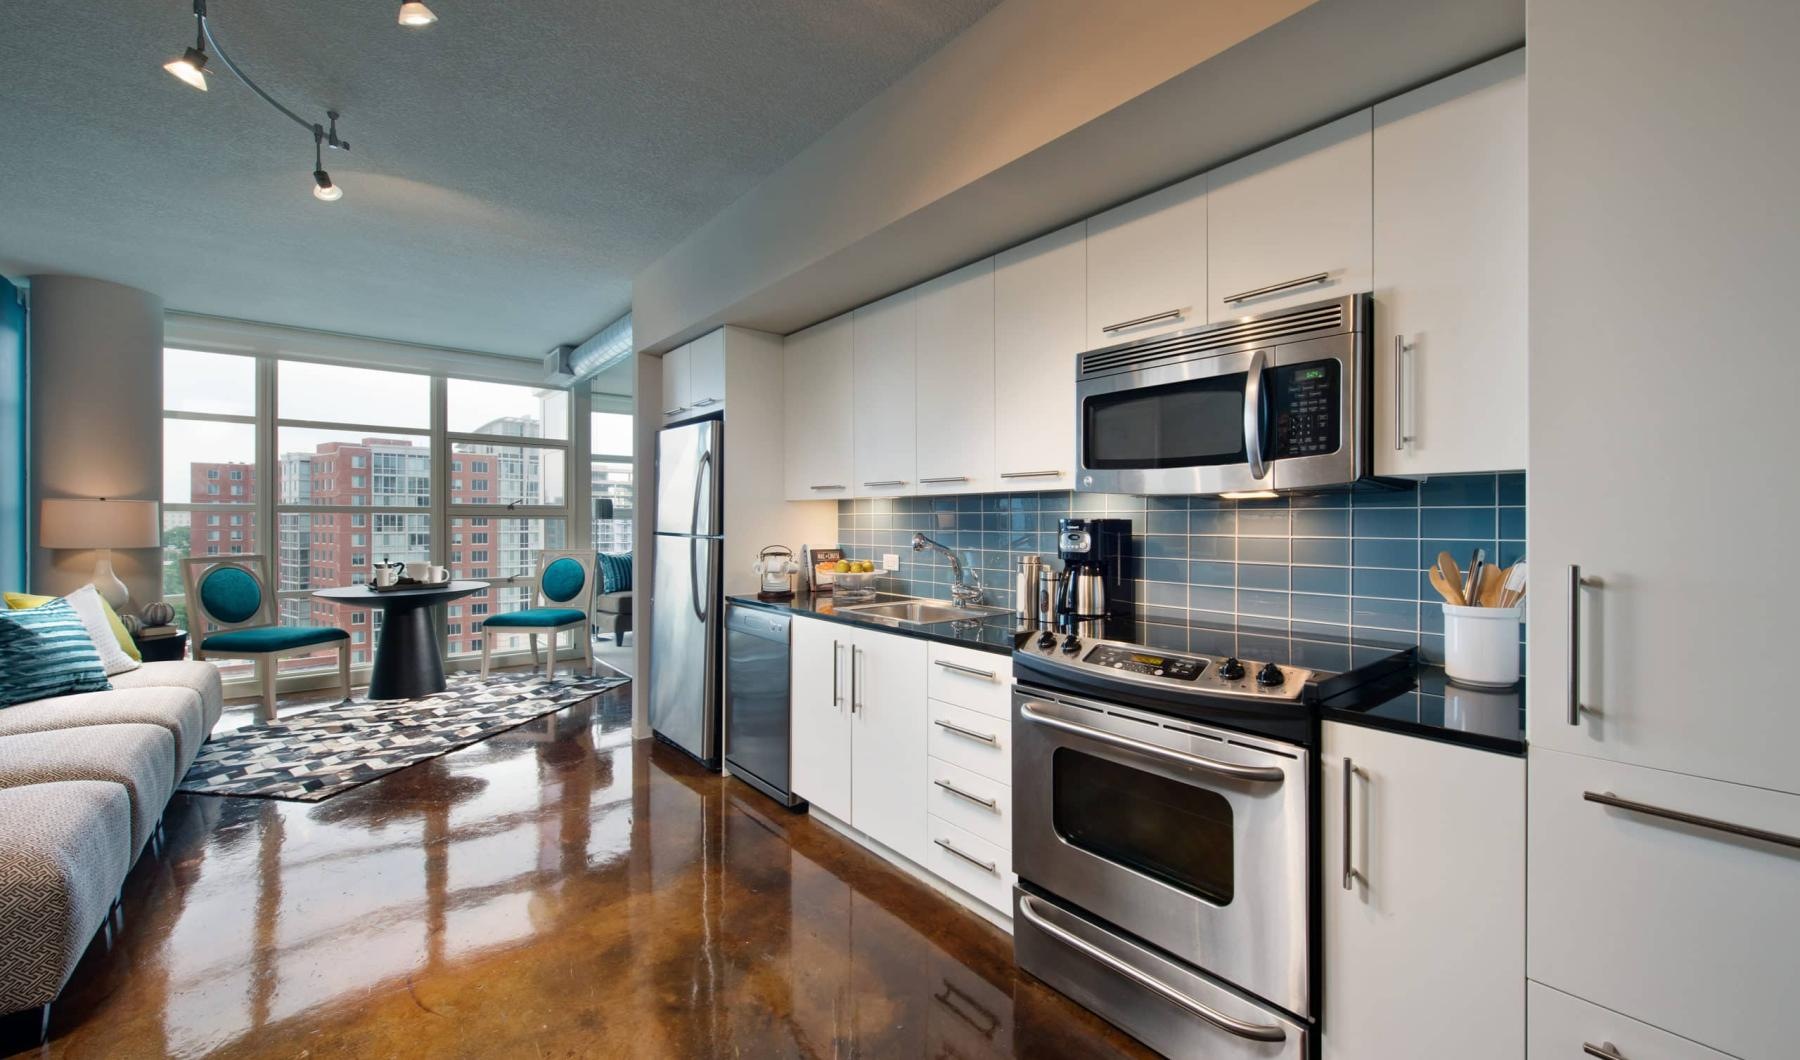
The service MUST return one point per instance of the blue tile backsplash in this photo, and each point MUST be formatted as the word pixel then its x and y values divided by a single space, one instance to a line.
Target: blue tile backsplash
pixel 1330 565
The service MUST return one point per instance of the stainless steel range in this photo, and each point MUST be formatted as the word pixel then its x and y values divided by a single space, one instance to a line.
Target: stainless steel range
pixel 1164 838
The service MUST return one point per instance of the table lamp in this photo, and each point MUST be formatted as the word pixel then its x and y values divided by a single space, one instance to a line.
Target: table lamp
pixel 82 523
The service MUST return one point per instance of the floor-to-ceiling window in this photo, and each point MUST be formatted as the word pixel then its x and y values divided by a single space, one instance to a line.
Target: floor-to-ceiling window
pixel 609 463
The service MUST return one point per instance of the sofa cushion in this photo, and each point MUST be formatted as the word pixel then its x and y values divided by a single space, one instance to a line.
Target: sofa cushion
pixel 46 651
pixel 272 638
pixel 64 851
pixel 138 758
pixel 201 677
pixel 614 603
pixel 178 710
pixel 537 617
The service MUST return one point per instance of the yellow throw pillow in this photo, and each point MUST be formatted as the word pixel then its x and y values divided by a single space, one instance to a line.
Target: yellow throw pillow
pixel 26 601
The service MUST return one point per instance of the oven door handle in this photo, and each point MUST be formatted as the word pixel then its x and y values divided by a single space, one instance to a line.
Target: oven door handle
pixel 1211 765
pixel 1258 1032
pixel 1253 439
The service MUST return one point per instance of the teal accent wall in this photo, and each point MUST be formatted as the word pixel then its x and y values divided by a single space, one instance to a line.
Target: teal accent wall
pixel 14 508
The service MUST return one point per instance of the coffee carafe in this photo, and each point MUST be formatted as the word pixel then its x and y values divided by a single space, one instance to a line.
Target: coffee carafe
pixel 1090 550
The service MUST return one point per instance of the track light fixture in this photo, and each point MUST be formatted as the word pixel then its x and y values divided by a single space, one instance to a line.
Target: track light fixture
pixel 414 15
pixel 323 189
pixel 191 66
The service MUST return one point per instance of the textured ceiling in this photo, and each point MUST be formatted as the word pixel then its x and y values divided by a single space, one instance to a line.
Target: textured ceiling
pixel 512 167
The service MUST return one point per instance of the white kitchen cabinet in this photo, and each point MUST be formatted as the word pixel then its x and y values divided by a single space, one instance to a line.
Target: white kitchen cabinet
pixel 693 378
pixel 676 373
pixel 884 345
pixel 978 867
pixel 887 745
pixel 1146 265
pixel 819 438
pixel 820 707
pixel 1040 323
pixel 1286 214
pixel 1684 926
pixel 1450 310
pixel 1567 1028
pixel 955 382
pixel 1427 946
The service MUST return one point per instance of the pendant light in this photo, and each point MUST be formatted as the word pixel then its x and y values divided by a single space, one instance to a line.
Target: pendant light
pixel 191 67
pixel 323 189
pixel 415 15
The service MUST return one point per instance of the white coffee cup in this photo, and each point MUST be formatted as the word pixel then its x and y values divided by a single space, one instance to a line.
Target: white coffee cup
pixel 385 575
pixel 439 574
pixel 419 572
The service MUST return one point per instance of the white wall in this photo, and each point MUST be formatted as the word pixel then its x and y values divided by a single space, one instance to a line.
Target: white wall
pixel 96 415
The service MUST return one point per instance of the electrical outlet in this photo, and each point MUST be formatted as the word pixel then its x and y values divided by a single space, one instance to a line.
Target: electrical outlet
pixel 889 561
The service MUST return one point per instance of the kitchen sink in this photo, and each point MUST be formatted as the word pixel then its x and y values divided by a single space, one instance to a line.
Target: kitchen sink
pixel 923 612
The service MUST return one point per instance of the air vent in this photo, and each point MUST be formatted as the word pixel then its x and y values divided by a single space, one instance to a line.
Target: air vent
pixel 1313 321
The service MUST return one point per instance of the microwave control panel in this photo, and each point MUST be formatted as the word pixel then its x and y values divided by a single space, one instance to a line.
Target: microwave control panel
pixel 1304 409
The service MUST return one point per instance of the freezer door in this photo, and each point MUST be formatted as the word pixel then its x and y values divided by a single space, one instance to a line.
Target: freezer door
pixel 687 479
pixel 684 645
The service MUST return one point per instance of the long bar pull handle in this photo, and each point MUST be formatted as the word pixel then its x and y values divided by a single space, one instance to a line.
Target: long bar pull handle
pixel 704 402
pixel 1576 584
pixel 1607 798
pixel 1400 351
pixel 828 487
pixel 970 670
pixel 991 804
pixel 1167 314
pixel 1253 441
pixel 1245 296
pixel 1254 1031
pixel 942 479
pixel 887 482
pixel 1350 874
pixel 1605 1050
pixel 987 866
pixel 837 655
pixel 1228 769
pixel 970 733
pixel 854 652
pixel 675 411
pixel 1030 474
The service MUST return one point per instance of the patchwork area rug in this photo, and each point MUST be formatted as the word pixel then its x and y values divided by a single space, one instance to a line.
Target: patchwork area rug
pixel 312 756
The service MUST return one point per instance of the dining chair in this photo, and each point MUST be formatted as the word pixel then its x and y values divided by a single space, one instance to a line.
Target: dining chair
pixel 238 619
pixel 565 596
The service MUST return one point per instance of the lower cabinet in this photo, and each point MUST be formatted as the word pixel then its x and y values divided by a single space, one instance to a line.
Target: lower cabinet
pixel 821 715
pixel 1425 936
pixel 1566 1026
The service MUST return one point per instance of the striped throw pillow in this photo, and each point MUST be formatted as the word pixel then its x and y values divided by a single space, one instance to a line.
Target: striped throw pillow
pixel 615 572
pixel 46 651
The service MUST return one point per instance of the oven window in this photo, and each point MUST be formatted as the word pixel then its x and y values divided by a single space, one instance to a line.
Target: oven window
pixel 1175 832
pixel 1193 423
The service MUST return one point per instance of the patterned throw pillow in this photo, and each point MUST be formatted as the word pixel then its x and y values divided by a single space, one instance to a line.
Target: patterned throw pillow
pixel 18 601
pixel 88 604
pixel 615 572
pixel 46 651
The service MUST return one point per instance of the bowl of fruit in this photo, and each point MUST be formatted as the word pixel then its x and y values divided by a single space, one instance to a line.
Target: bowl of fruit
pixel 853 580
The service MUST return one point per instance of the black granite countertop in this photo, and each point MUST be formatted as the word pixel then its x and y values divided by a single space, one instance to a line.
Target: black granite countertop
pixel 996 634
pixel 1424 702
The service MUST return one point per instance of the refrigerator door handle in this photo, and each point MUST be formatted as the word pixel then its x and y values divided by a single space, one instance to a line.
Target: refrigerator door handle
pixel 694 579
pixel 700 472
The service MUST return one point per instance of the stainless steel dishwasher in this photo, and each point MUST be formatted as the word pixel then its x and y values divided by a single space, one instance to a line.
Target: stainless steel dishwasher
pixel 758 725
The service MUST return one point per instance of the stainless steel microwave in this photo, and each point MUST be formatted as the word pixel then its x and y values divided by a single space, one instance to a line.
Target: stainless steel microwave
pixel 1277 401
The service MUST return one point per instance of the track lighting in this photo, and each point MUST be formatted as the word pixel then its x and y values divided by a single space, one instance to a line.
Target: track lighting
pixel 414 15
pixel 323 189
pixel 191 67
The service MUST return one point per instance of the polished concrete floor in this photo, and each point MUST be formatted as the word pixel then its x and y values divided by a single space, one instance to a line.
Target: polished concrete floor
pixel 557 891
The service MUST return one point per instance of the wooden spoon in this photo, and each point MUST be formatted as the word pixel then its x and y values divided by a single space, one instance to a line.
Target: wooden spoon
pixel 1450 594
pixel 1493 586
pixel 1451 573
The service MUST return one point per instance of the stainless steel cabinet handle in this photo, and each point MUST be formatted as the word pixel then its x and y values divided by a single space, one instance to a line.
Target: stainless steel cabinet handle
pixel 970 670
pixel 854 652
pixel 833 487
pixel 970 858
pixel 1167 314
pixel 1605 1050
pixel 1257 1032
pixel 887 482
pixel 970 733
pixel 675 411
pixel 1253 414
pixel 991 804
pixel 1317 277
pixel 703 402
pixel 1576 584
pixel 1227 769
pixel 942 479
pixel 1030 474
pixel 837 653
pixel 1607 798
pixel 1400 351
pixel 1350 874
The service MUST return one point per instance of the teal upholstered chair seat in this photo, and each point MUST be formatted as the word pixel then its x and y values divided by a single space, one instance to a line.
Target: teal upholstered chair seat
pixel 272 638
pixel 537 616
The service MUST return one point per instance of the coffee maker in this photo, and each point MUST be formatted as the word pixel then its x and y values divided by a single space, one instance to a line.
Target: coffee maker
pixel 1092 552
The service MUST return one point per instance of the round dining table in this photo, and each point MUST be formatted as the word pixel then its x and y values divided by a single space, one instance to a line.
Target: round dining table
pixel 409 661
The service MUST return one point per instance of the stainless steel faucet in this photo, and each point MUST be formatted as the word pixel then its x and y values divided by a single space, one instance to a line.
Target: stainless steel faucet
pixel 961 592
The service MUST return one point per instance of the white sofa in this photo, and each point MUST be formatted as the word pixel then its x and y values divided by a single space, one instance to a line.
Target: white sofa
pixel 83 782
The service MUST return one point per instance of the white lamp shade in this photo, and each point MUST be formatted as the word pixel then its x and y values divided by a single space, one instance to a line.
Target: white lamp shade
pixel 81 523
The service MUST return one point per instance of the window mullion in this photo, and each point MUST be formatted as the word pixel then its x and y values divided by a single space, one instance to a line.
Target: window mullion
pixel 440 494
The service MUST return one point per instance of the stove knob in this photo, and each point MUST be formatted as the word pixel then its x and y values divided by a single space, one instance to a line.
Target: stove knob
pixel 1231 669
pixel 1071 644
pixel 1270 675
pixel 1046 640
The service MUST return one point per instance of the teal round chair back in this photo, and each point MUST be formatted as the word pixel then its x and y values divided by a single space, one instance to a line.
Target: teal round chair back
pixel 230 594
pixel 563 580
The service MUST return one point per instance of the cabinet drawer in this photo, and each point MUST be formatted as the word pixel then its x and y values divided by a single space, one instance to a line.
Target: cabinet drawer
pixel 977 742
pixel 971 801
pixel 978 680
pixel 1561 1026
pixel 970 863
pixel 1683 926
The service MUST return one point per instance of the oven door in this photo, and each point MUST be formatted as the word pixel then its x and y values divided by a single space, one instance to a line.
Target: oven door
pixel 1191 838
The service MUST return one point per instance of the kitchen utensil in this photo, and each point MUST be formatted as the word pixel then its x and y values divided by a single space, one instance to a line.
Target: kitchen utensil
pixel 1444 587
pixel 776 568
pixel 1476 560
pixel 1026 588
pixel 1493 584
pixel 1453 576
pixel 1514 589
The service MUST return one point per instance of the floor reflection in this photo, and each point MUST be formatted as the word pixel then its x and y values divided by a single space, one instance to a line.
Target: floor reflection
pixel 556 890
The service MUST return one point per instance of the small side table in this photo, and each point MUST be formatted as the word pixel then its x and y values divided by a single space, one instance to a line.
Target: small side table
pixel 171 648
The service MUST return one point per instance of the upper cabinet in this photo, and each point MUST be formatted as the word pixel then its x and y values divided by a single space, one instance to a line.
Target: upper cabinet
pixel 1039 327
pixel 694 377
pixel 955 381
pixel 820 440
pixel 1146 265
pixel 884 345
pixel 1450 302
pixel 1290 224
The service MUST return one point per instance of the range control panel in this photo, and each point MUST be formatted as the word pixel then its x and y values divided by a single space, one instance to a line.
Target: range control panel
pixel 1174 667
pixel 1304 405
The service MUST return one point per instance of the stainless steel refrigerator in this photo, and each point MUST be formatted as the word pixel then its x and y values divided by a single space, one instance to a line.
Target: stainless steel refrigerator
pixel 686 600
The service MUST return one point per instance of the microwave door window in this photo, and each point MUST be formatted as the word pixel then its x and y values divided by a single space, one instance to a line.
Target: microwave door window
pixel 1194 423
